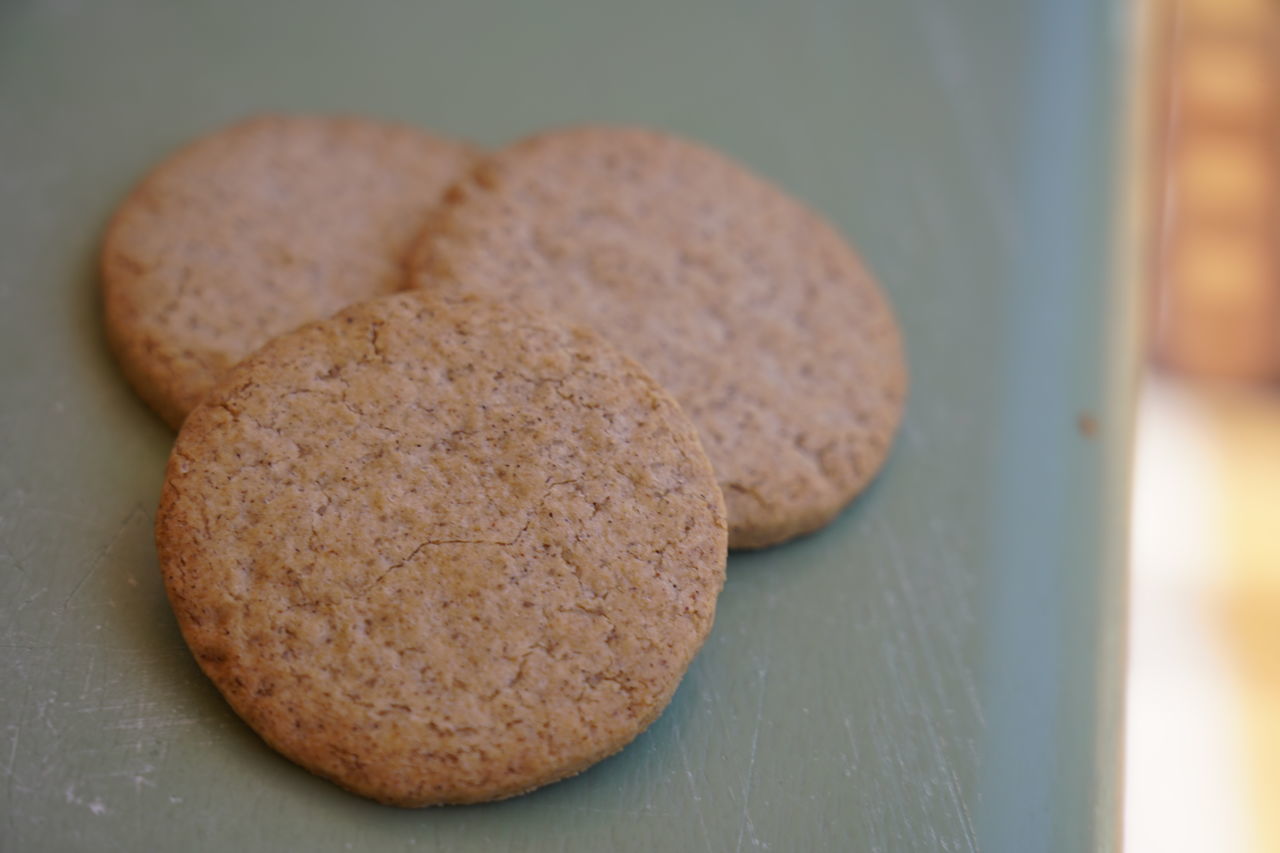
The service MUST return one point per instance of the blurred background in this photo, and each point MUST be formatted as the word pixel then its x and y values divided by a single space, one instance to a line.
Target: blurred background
pixel 1203 741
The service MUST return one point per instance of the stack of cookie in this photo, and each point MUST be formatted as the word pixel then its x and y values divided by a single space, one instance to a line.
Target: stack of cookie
pixel 464 536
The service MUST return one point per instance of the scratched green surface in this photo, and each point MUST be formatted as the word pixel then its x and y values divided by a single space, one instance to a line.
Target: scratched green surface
pixel 936 671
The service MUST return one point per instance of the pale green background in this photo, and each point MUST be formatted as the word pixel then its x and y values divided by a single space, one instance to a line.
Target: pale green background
pixel 937 671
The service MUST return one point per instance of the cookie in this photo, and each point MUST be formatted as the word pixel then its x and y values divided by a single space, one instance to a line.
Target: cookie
pixel 441 551
pixel 748 307
pixel 255 230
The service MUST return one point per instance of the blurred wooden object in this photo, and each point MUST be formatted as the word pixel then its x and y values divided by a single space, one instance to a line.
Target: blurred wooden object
pixel 1216 202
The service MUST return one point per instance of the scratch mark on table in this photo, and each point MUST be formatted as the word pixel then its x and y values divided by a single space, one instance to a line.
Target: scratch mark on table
pixel 151 723
pixel 938 533
pixel 944 769
pixel 853 746
pixel 693 788
pixel 100 557
pixel 17 563
pixel 91 665
pixel 747 825
pixel 11 781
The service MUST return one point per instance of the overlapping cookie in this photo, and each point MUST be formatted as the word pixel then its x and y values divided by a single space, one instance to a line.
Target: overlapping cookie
pixel 747 306
pixel 251 231
pixel 442 550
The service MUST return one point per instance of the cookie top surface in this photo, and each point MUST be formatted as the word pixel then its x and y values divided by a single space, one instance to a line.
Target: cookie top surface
pixel 441 551
pixel 748 307
pixel 256 229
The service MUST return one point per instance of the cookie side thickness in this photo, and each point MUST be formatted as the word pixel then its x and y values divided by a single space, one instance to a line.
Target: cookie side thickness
pixel 248 232
pixel 746 305
pixel 474 629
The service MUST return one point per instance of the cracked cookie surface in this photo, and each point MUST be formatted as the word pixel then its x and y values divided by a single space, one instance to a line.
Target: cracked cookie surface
pixel 748 307
pixel 438 550
pixel 256 229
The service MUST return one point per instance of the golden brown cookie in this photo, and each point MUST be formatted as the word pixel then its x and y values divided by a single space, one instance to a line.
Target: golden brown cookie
pixel 251 231
pixel 441 551
pixel 748 307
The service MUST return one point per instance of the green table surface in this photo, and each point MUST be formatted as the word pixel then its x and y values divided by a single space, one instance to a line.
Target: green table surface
pixel 938 670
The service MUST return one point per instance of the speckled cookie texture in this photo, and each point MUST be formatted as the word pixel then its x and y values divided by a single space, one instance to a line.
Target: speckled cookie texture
pixel 256 229
pixel 748 307
pixel 440 550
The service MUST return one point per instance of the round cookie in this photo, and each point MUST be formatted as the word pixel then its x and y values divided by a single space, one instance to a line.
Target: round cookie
pixel 251 231
pixel 440 551
pixel 748 307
